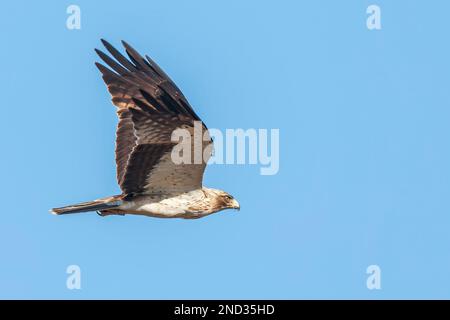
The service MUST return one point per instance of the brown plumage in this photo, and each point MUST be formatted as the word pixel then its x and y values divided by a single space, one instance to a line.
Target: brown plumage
pixel 150 107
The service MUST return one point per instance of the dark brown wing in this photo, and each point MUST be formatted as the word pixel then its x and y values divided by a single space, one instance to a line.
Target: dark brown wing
pixel 150 107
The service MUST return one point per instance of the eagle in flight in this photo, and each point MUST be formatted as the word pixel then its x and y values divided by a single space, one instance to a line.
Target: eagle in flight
pixel 150 108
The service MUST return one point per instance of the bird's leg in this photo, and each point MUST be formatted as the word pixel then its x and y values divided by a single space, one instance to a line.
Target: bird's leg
pixel 105 213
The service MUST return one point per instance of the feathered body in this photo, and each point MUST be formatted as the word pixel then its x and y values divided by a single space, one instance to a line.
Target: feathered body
pixel 190 205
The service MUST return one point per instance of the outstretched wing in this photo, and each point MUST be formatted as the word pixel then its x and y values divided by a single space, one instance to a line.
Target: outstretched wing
pixel 150 107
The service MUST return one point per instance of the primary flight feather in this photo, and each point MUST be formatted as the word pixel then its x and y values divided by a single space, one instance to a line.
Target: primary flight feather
pixel 150 108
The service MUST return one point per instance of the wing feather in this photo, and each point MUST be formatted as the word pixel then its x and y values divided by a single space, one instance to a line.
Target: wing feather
pixel 150 107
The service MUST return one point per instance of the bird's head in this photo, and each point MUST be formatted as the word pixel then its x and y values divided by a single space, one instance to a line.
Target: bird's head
pixel 229 201
pixel 222 200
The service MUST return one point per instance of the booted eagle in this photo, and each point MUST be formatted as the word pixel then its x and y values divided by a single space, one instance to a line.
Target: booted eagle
pixel 150 108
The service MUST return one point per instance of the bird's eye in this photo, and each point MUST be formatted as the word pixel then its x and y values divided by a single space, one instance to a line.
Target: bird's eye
pixel 229 197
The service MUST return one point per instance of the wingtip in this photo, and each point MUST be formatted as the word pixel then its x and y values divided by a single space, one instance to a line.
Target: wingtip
pixel 107 45
pixel 101 67
pixel 53 212
pixel 128 47
pixel 98 51
pixel 102 55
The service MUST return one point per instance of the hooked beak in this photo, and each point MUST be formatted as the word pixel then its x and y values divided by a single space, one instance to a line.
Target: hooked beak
pixel 236 205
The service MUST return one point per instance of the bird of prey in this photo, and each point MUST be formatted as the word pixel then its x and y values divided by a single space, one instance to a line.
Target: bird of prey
pixel 150 107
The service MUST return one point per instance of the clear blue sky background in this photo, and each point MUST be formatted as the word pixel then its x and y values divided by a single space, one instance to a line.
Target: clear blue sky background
pixel 364 153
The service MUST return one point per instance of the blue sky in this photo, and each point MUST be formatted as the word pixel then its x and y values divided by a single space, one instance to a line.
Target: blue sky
pixel 364 150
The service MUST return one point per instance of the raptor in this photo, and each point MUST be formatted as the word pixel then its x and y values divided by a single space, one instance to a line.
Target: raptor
pixel 150 107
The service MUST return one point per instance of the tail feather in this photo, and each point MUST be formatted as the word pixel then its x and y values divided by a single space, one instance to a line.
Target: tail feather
pixel 96 205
